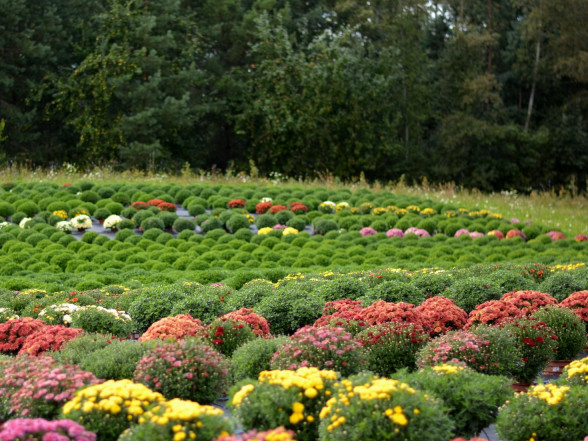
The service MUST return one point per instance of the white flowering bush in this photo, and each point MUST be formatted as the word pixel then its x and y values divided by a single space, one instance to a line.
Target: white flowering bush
pixel 64 226
pixel 23 222
pixel 112 221
pixel 58 314
pixel 99 319
pixel 7 314
pixel 82 221
pixel 4 224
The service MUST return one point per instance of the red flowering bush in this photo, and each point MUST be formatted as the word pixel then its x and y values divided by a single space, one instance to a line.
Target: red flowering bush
pixel 324 348
pixel 155 202
pixel 167 206
pixel 515 233
pixel 179 326
pixel 278 434
pixel 439 314
pixel 48 338
pixel 263 207
pixel 39 386
pixel 529 301
pixel 578 302
pixel 13 333
pixel 277 208
pixel 392 346
pixel 342 313
pixel 188 369
pixel 227 334
pixel 139 205
pixel 258 324
pixel 382 312
pixel 236 203
pixel 581 237
pixel 493 312
pixel 538 345
pixel 298 208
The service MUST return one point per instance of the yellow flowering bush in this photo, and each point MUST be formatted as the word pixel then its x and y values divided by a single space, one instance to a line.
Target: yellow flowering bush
pixel 179 420
pixel 265 230
pixel 61 213
pixel 575 373
pixel 547 412
pixel 374 409
pixel 292 399
pixel 111 407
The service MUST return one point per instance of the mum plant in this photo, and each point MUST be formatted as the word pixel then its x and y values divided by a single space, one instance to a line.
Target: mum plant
pixel 342 313
pixel 263 207
pixel 58 314
pixel 567 327
pixel 64 226
pixel 236 203
pixel 578 302
pixel 528 301
pixel 13 333
pixel 472 398
pixel 493 312
pixel 227 334
pixel 254 357
pixel 575 373
pixel 179 420
pixel 111 407
pixel 81 222
pixel 112 221
pixel 382 312
pixel 278 434
pixel 99 319
pixel 188 369
pixel 7 314
pixel 292 399
pixel 374 409
pixel 476 349
pixel 537 343
pixel 439 314
pixel 39 386
pixel 39 429
pixel 325 348
pixel 391 346
pixel 48 338
pixel 258 324
pixel 179 326
pixel 546 412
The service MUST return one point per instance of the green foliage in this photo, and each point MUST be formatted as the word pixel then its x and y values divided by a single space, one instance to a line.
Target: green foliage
pixel 115 361
pixel 254 357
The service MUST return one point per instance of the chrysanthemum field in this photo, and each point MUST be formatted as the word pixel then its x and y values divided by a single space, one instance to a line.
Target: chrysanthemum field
pixel 208 311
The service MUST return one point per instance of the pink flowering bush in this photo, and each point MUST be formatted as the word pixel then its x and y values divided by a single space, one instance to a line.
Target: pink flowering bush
pixel 278 434
pixel 420 232
pixel 461 232
pixel 395 232
pixel 39 386
pixel 258 324
pixel 581 237
pixel 368 231
pixel 342 313
pixel 529 301
pixel 188 369
pixel 48 338
pixel 39 429
pixel 382 312
pixel 13 333
pixel 179 326
pixel 439 314
pixel 556 235
pixel 476 234
pixel 324 348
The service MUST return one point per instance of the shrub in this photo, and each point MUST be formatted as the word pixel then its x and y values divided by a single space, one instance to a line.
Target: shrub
pixel 578 302
pixel 325 348
pixel 38 386
pixel 258 324
pixel 13 333
pixel 472 291
pixel 323 226
pixel 266 221
pixel 394 291
pixel 76 350
pixel 575 373
pixel 494 312
pixel 291 399
pixel 226 335
pixel 210 224
pixel 152 222
pixel 237 222
pixel 391 346
pixel 98 319
pixel 537 344
pixel 206 304
pixel 528 301
pixel 250 294
pixel 472 398
pixel 154 304
pixel 102 213
pixel 28 207
pixel 111 407
pixel 383 312
pixel 168 218
pixel 187 369
pixel 254 357
pixel 561 284
pixel 267 435
pixel 18 216
pixel 342 288
pixel 48 338
pixel 179 419
pixel 114 361
pixel 41 429
pixel 567 327
pixel 6 209
pixel 179 326
pixel 439 314
pixel 182 224
pixel 546 411
pixel 377 406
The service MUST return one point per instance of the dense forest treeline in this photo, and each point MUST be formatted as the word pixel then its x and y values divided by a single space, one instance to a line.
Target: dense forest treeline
pixel 489 94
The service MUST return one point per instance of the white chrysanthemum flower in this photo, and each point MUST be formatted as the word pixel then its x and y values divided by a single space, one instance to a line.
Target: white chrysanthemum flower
pixel 23 222
pixel 112 221
pixel 64 226
pixel 82 221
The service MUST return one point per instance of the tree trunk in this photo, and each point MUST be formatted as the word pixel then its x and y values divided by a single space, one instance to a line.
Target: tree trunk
pixel 533 86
